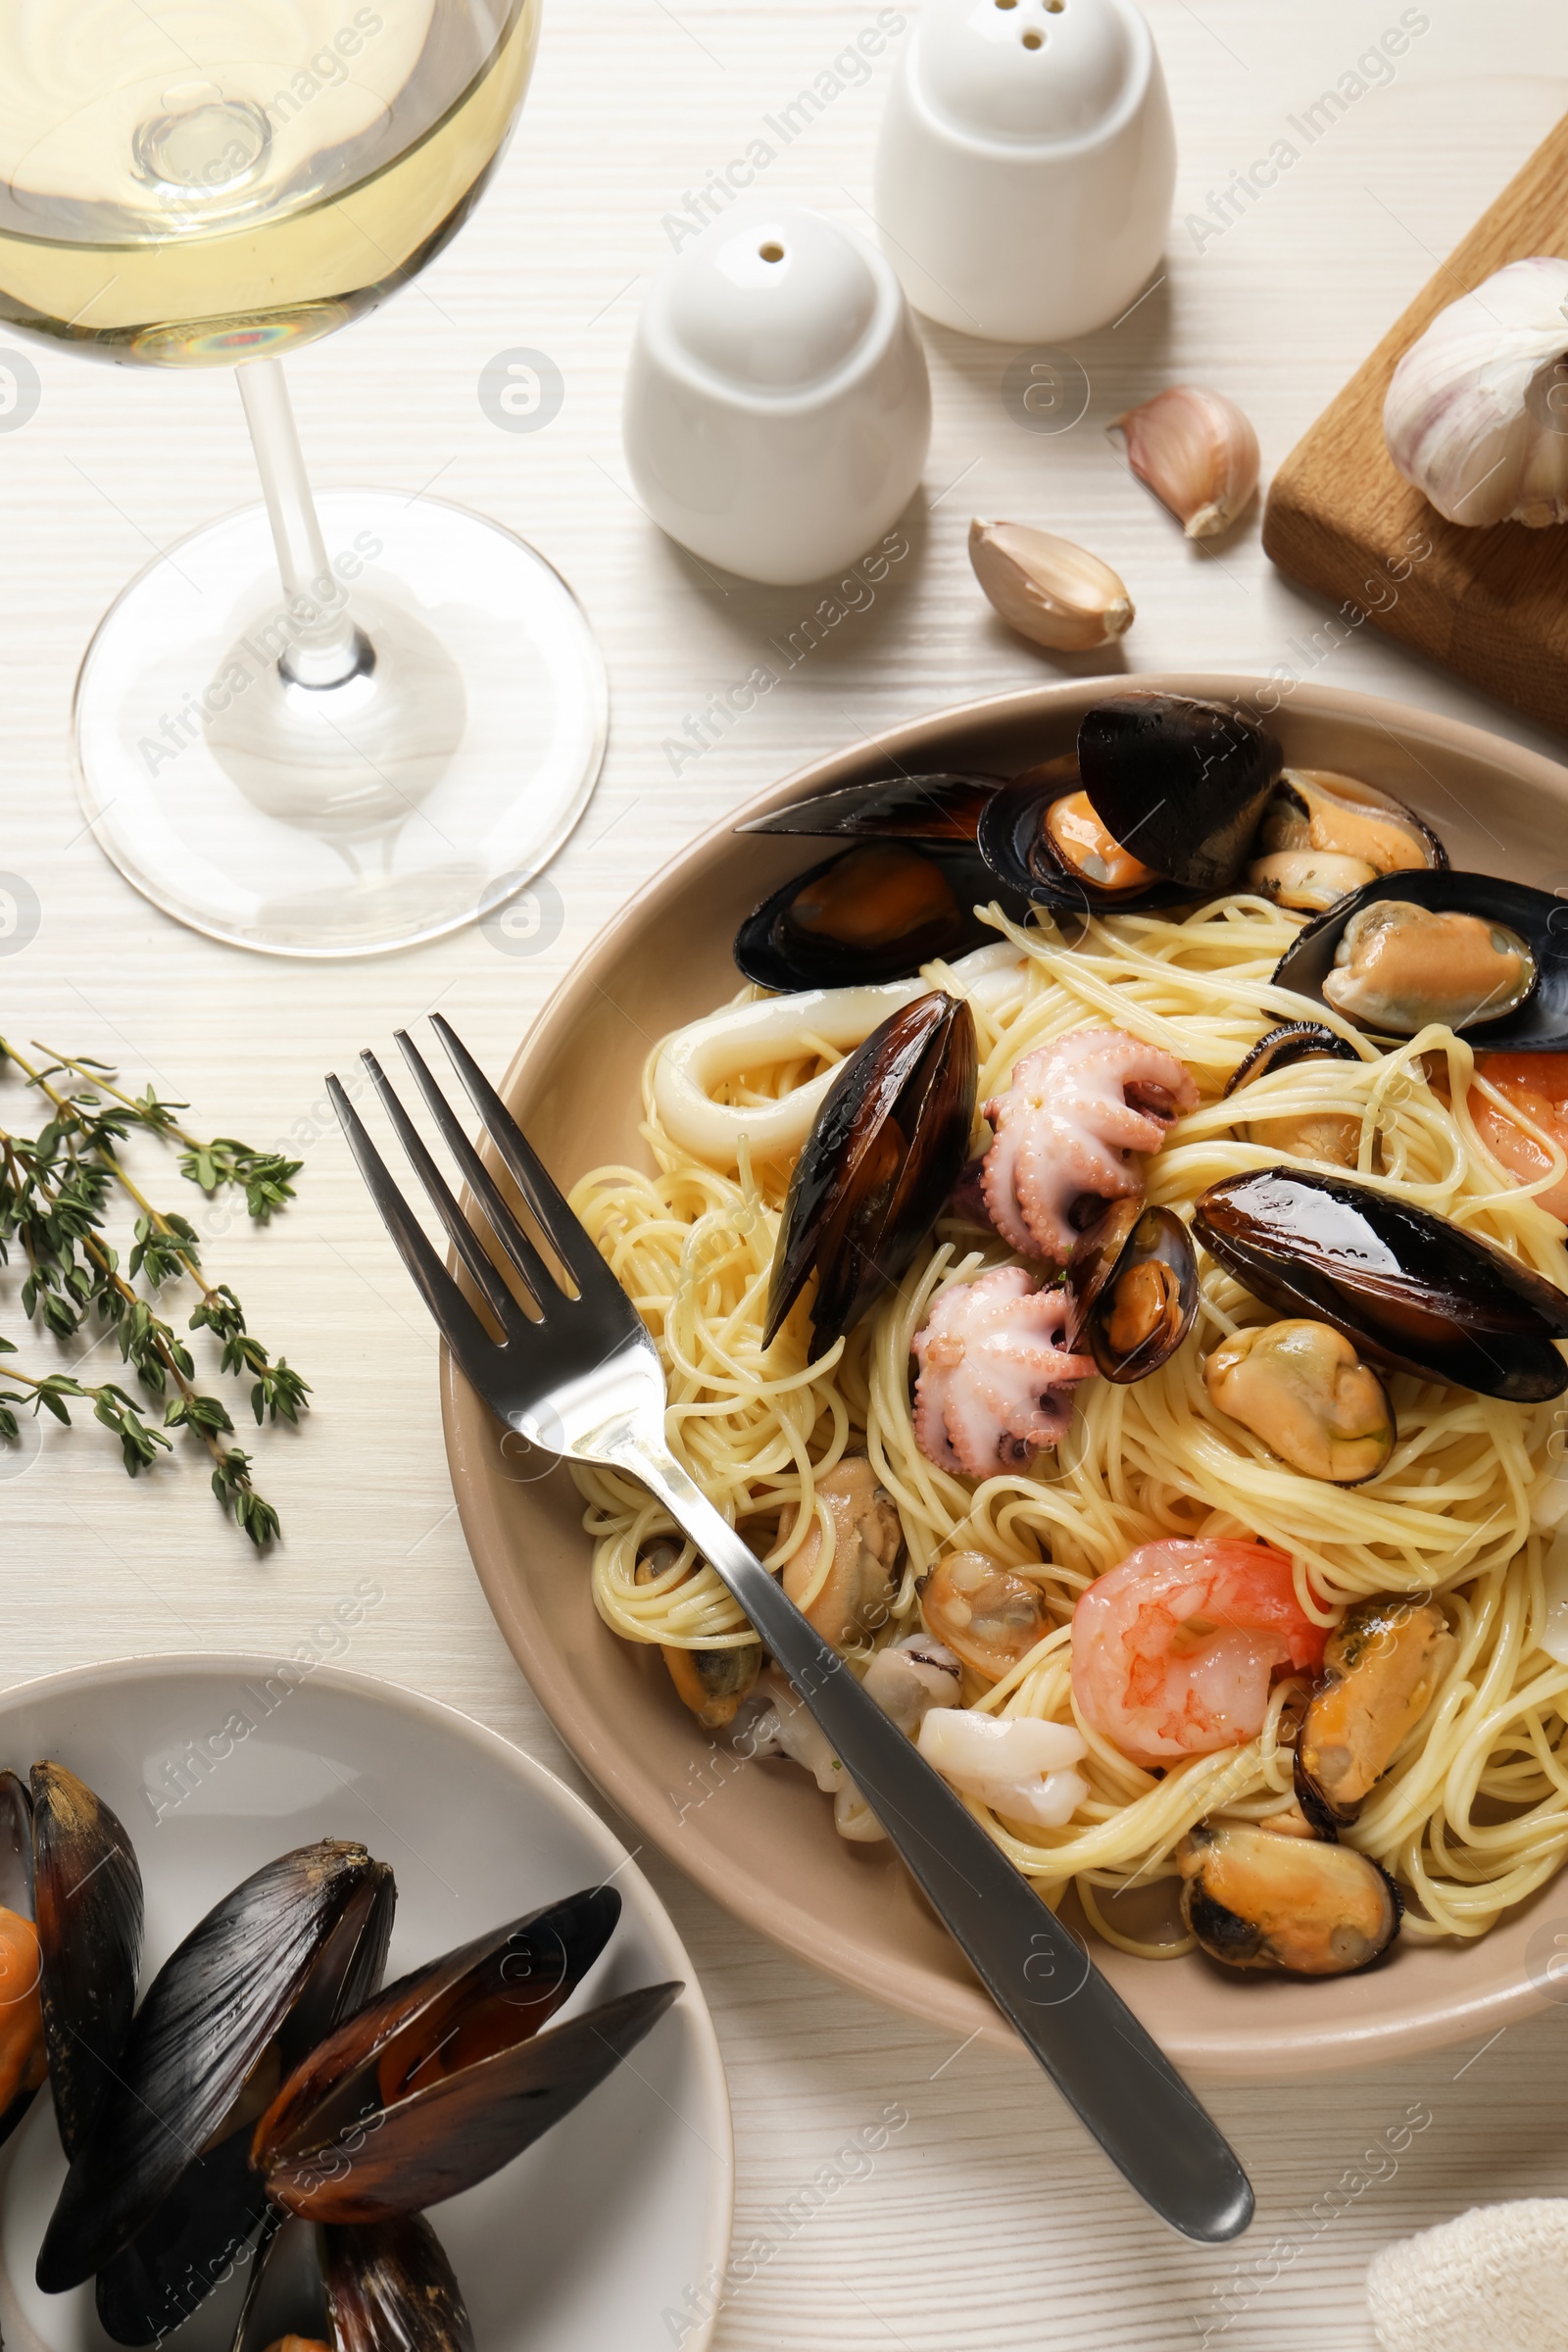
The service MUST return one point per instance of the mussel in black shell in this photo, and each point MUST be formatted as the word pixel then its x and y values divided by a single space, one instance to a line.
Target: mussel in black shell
pixel 904 894
pixel 1320 1133
pixel 937 809
pixel 1160 805
pixel 1406 1287
pixel 70 1922
pixel 1133 1282
pixel 390 2288
pixel 1469 951
pixel 449 2075
pixel 161 2184
pixel 1281 1048
pixel 1323 835
pixel 878 912
pixel 886 1151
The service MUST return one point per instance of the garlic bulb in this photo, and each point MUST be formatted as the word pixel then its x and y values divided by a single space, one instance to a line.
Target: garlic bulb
pixel 1196 452
pixel 1476 415
pixel 1051 591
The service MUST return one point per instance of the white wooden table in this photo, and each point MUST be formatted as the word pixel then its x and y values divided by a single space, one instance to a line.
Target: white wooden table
pixel 988 2221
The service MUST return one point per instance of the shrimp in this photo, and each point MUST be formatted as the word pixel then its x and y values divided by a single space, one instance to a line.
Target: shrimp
pixel 1538 1083
pixel 1174 1650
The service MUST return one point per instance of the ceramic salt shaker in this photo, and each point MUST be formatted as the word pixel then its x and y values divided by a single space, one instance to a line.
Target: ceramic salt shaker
pixel 777 408
pixel 1026 165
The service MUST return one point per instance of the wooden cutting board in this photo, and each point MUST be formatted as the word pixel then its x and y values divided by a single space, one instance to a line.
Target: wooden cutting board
pixel 1491 603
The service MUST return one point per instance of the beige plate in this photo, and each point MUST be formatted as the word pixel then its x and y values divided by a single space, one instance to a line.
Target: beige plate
pixel 760 1839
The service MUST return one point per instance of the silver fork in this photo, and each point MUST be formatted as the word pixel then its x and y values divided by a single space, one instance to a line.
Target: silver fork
pixel 580 1377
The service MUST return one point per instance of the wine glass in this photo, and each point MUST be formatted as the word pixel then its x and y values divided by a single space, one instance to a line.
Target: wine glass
pixel 314 730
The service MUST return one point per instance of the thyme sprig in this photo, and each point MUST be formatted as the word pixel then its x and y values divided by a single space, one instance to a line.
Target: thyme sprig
pixel 54 1189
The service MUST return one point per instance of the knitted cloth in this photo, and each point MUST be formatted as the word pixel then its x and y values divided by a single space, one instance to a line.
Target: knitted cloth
pixel 1494 2280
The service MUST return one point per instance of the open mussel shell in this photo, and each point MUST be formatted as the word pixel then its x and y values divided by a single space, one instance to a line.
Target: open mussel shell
pixel 24 2061
pixel 1133 1282
pixel 937 809
pixel 87 1894
pixel 1538 1024
pixel 1281 1048
pixel 390 2288
pixel 70 1921
pixel 886 1151
pixel 1018 849
pixel 1323 834
pixel 1177 784
pixel 1406 1287
pixel 217 2204
pixel 448 2076
pixel 877 911
pixel 257 1980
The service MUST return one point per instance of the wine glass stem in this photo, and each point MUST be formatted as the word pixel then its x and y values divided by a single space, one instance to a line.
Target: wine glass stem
pixel 327 649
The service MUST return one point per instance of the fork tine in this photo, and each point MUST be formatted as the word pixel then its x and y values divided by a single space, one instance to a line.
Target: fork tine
pixel 543 1194
pixel 464 1241
pixel 455 1318
pixel 516 1243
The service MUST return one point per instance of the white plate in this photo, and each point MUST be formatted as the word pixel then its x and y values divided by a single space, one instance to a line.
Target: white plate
pixel 217 1763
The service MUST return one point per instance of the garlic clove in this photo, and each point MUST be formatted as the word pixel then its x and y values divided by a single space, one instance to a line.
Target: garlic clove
pixel 1049 590
pixel 1477 413
pixel 1196 452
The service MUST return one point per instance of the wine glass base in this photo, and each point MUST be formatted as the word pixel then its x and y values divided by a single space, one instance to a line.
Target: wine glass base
pixel 418 796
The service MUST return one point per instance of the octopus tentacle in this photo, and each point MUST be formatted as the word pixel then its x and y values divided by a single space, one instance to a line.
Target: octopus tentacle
pixel 995 1385
pixel 1072 1118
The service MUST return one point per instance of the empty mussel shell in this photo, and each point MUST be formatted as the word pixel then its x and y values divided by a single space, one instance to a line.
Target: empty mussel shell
pixel 218 2205
pixel 1160 804
pixel 447 2076
pixel 1257 1900
pixel 307 1932
pixel 877 911
pixel 1501 973
pixel 885 1152
pixel 390 2288
pixel 938 807
pixel 1405 1285
pixel 1133 1282
pixel 1382 1666
pixel 1323 835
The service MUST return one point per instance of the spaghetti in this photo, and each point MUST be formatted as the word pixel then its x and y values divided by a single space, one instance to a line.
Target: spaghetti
pixel 1473 1813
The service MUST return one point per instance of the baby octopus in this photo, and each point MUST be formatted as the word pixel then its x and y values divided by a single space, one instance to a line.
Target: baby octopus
pixel 994 1382
pixel 1066 1131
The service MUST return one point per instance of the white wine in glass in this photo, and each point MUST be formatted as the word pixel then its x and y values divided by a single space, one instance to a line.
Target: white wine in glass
pixel 317 731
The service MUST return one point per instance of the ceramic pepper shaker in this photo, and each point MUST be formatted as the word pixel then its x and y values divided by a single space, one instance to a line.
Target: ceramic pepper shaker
pixel 1026 164
pixel 777 408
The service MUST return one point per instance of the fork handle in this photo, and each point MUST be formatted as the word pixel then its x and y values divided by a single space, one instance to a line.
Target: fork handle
pixel 1101 2060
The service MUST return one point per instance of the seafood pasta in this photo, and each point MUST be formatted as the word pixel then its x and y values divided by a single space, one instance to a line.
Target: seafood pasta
pixel 1146 1372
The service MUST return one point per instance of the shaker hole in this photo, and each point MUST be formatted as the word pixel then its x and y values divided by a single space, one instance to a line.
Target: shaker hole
pixel 1054 7
pixel 1033 39
pixel 1007 3
pixel 771 252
